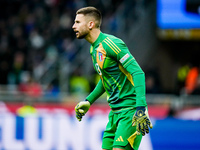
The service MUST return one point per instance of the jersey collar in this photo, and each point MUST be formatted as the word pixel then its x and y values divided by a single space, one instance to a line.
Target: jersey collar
pixel 98 39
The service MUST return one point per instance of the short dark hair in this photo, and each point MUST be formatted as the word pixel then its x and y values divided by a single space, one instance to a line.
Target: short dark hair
pixel 91 11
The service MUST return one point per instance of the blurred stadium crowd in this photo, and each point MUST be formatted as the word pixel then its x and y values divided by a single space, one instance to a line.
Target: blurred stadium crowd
pixel 35 35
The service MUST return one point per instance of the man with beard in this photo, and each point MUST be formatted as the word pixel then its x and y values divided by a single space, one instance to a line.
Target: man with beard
pixel 120 77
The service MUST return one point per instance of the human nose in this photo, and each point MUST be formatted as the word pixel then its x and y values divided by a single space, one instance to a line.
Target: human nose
pixel 73 27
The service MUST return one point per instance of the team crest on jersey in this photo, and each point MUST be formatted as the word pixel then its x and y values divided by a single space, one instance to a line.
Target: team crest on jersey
pixel 100 56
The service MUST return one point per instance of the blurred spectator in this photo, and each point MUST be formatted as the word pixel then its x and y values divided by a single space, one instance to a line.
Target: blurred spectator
pixel 197 87
pixel 23 86
pixel 51 54
pixel 152 82
pixel 151 86
pixel 37 41
pixel 5 54
pixel 182 73
pixel 52 91
pixel 79 85
pixel 31 89
pixel 4 71
pixel 34 89
pixel 17 68
pixel 69 49
pixel 29 23
pixel 66 20
pixel 191 80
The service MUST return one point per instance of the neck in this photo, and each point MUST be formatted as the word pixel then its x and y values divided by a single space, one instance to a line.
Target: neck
pixel 93 35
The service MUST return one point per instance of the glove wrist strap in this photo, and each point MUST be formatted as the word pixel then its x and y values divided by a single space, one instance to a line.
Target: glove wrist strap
pixel 141 108
pixel 87 101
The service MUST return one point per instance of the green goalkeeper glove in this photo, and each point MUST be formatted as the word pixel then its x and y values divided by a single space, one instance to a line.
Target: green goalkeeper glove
pixel 81 109
pixel 141 119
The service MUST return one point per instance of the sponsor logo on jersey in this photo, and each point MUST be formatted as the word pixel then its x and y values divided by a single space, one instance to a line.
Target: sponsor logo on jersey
pixel 98 69
pixel 125 57
pixel 100 56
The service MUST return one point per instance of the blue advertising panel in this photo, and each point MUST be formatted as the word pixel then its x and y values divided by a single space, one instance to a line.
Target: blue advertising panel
pixel 176 134
pixel 178 14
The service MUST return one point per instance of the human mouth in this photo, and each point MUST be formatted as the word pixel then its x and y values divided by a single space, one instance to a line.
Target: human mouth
pixel 76 33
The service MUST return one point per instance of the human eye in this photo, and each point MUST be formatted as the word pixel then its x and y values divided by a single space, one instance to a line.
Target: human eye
pixel 76 21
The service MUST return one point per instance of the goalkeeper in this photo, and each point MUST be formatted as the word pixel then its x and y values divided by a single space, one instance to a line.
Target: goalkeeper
pixel 120 77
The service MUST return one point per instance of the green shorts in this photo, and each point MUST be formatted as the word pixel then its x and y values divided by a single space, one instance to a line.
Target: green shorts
pixel 119 129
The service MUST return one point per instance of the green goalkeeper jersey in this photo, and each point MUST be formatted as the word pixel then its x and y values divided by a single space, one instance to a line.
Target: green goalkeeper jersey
pixel 120 75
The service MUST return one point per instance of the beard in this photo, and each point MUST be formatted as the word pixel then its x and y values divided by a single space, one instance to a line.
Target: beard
pixel 82 34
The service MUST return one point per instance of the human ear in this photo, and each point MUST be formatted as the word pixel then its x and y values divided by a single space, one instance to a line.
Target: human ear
pixel 91 25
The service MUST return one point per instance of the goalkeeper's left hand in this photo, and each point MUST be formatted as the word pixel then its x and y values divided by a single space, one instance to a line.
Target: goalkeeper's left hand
pixel 81 108
pixel 141 119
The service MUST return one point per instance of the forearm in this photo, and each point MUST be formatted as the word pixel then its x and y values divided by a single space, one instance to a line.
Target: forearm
pixel 96 93
pixel 139 83
pixel 138 77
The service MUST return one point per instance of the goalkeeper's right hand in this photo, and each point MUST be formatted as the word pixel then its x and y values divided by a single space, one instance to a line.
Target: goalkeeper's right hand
pixel 81 109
